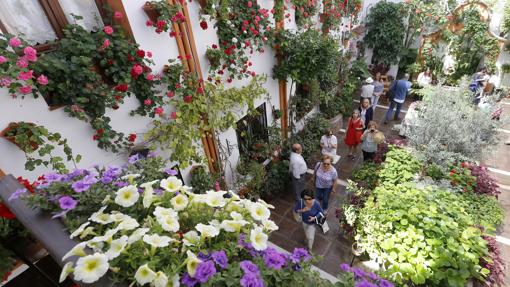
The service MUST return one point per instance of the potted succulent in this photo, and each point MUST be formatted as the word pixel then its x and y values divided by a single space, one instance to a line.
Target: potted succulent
pixel 31 138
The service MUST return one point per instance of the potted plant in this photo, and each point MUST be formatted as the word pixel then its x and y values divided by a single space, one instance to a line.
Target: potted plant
pixel 161 15
pixel 31 138
pixel 214 56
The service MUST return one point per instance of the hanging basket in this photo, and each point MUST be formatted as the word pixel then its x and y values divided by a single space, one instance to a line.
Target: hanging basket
pixel 202 3
pixel 151 11
pixel 12 139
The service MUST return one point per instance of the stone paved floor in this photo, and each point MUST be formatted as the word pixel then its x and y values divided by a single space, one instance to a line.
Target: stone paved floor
pixel 333 248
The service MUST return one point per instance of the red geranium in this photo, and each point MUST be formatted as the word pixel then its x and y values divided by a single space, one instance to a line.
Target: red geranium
pixel 140 53
pixel 121 88
pixel 5 212
pixel 132 137
pixel 188 99
pixel 203 25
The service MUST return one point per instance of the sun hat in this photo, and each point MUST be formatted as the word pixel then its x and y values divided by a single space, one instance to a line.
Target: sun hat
pixel 369 80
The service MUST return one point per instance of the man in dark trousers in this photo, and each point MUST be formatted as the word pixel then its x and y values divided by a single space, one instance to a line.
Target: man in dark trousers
pixel 400 89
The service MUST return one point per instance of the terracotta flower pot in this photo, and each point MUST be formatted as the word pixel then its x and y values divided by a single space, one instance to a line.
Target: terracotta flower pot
pixel 202 3
pixel 151 11
pixel 12 139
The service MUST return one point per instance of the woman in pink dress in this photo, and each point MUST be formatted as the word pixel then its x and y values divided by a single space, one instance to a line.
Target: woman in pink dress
pixel 354 132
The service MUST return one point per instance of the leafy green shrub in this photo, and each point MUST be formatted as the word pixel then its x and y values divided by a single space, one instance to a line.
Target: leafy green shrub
pixel 277 177
pixel 366 175
pixel 201 180
pixel 423 236
pixel 435 172
pixel 400 166
pixel 484 209
pixel 310 136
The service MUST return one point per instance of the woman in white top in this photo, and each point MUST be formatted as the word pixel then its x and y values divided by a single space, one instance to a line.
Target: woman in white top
pixel 378 90
pixel 367 90
pixel 329 143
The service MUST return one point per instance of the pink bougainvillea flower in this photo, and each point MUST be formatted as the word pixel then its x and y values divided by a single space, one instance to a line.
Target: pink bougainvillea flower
pixel 43 80
pixel 150 77
pixel 30 54
pixel 25 89
pixel 14 42
pixel 22 62
pixel 5 82
pixel 250 4
pixel 158 111
pixel 147 102
pixel 149 54
pixel 24 76
pixel 173 115
pixel 106 44
pixel 170 94
pixel 136 70
pixel 108 30
pixel 3 59
pixel 149 23
pixel 117 15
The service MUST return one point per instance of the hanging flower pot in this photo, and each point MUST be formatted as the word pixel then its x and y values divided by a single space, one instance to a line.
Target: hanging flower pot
pixel 151 11
pixel 202 3
pixel 9 133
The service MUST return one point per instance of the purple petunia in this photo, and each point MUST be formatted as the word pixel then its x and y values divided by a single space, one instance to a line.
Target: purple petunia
pixel 152 154
pixel 89 179
pixel 205 270
pixel 53 177
pixel 202 256
pixel 17 193
pixel 120 183
pixel 345 267
pixel 365 283
pixel 188 280
pixel 170 171
pixel 67 202
pixel 134 158
pixel 249 267
pixel 358 272
pixel 75 173
pixel 274 259
pixel 80 186
pixel 300 254
pixel 251 280
pixel 220 258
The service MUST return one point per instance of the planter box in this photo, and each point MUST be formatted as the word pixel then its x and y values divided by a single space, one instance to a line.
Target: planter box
pixel 151 11
pixel 12 139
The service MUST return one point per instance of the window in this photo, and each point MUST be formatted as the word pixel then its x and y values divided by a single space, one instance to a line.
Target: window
pixel 252 135
pixel 40 21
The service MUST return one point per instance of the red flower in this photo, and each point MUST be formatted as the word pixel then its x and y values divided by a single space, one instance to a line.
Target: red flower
pixel 160 24
pixel 453 171
pixel 188 57
pixel 177 86
pixel 173 115
pixel 463 164
pixel 173 34
pixel 214 46
pixel 179 57
pixel 115 107
pixel 117 98
pixel 5 212
pixel 108 30
pixel 140 53
pixel 147 102
pixel 250 4
pixel 100 131
pixel 136 71
pixel 158 111
pixel 188 99
pixel 170 94
pixel 121 88
pixel 209 79
pixel 149 54
pixel 117 15
pixel 132 137
pixel 95 137
pixel 200 90
pixel 26 184
pixel 110 62
pixel 149 23
pixel 203 25
pixel 130 58
pixel 229 80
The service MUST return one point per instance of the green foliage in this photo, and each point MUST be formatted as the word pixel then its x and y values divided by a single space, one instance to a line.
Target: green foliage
pixel 505 23
pixel 462 177
pixel 407 63
pixel 366 175
pixel 472 44
pixel 435 172
pixel 200 112
pixel 304 12
pixel 201 180
pixel 505 68
pixel 214 57
pixel 385 31
pixel 400 166
pixel 32 138
pixel 277 179
pixel 423 236
pixel 485 210
pixel 310 136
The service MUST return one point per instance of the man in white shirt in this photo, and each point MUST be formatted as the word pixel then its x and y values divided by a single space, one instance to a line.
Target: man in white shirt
pixel 329 143
pixel 297 169
pixel 367 90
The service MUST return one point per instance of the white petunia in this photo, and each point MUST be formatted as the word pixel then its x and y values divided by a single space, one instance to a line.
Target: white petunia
pixel 258 239
pixel 144 275
pixel 161 280
pixel 88 231
pixel 192 263
pixel 119 216
pixel 266 204
pixel 77 250
pixel 101 217
pixel 169 223
pixel 128 224
pixel 91 267
pixel 259 211
pixel 234 40
pixel 79 230
pixel 270 225
pixel 233 225
pixel 215 198
pixel 164 212
pixel 148 184
pixel 179 202
pixel 171 184
pixel 97 246
pixel 131 177
pixel 148 194
pixel 156 240
pixel 66 270
pixel 106 237
pixel 137 235
pixel 116 247
pixel 236 215
pixel 190 238
pixel 106 200
pixel 127 196
pixel 207 230
pixel 176 279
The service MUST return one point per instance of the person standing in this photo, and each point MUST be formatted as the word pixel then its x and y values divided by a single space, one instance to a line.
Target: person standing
pixel 297 169
pixel 329 143
pixel 353 134
pixel 370 141
pixel 367 90
pixel 366 111
pixel 310 210
pixel 399 90
pixel 424 78
pixel 325 177
pixel 378 90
